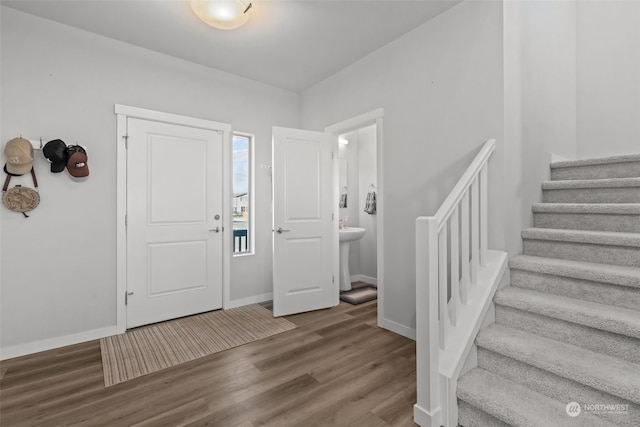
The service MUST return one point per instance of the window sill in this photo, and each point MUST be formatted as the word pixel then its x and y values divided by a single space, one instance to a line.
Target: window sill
pixel 243 254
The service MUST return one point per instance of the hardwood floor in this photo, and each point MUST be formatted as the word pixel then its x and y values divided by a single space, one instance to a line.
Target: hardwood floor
pixel 337 368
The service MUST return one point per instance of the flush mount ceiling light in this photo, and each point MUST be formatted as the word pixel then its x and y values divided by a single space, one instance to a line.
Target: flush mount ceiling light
pixel 222 14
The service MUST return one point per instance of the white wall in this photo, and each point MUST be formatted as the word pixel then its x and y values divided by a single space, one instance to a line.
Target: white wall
pixel 58 267
pixel 441 89
pixel 367 175
pixel 608 78
pixel 1 9
pixel 540 107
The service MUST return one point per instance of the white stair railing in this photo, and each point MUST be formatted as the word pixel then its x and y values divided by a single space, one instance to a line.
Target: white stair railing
pixel 451 255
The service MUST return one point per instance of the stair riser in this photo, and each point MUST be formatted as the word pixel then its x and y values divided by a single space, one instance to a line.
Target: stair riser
pixel 587 221
pixel 470 416
pixel 603 254
pixel 611 170
pixel 620 346
pixel 603 293
pixel 592 195
pixel 554 386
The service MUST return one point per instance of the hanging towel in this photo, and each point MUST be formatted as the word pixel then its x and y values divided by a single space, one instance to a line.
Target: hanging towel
pixel 343 200
pixel 370 203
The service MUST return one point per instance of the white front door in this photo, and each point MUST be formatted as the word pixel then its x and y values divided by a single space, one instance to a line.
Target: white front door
pixel 305 236
pixel 174 221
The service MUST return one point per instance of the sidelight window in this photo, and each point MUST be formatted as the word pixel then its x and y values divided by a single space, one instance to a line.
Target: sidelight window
pixel 243 216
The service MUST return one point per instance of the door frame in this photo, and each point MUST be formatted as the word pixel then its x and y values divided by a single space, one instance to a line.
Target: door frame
pixel 374 117
pixel 123 112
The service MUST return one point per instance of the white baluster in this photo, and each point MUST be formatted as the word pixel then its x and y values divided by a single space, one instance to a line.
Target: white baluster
pixel 455 269
pixel 484 198
pixel 475 231
pixel 445 323
pixel 464 250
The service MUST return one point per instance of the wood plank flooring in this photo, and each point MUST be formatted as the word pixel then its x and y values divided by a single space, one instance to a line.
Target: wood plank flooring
pixel 337 368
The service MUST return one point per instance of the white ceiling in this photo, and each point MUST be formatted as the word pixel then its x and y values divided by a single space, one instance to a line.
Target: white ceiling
pixel 291 44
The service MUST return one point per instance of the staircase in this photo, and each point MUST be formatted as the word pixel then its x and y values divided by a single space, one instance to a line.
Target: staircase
pixel 568 327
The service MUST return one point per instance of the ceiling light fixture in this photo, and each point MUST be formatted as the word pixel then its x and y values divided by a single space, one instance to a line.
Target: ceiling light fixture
pixel 222 14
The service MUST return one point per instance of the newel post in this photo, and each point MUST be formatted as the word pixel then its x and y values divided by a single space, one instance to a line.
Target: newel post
pixel 427 411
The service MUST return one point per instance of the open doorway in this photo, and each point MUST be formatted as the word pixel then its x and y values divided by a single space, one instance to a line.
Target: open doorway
pixel 359 180
pixel 358 184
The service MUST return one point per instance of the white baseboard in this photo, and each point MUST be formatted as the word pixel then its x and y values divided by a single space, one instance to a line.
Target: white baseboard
pixel 426 419
pixel 362 278
pixel 57 342
pixel 397 328
pixel 250 300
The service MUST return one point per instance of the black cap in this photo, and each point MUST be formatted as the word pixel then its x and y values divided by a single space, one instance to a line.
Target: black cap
pixel 56 152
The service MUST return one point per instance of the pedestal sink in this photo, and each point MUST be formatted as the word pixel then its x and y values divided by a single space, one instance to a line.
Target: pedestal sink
pixel 347 235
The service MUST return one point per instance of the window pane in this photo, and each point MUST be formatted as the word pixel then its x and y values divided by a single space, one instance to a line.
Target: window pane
pixel 241 196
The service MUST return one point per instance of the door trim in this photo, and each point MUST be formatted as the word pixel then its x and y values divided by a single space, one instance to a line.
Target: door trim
pixel 358 122
pixel 123 112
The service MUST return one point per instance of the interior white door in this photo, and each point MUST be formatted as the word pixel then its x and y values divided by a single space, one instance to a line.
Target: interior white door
pixel 174 221
pixel 305 237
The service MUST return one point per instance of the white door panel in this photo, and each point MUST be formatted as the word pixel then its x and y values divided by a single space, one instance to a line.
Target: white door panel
pixel 303 190
pixel 169 173
pixel 304 252
pixel 165 278
pixel 174 192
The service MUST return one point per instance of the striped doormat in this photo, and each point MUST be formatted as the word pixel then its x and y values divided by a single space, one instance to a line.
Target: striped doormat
pixel 152 348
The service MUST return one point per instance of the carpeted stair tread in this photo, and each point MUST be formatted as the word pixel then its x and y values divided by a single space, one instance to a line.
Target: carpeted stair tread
pixel 613 217
pixel 470 416
pixel 627 158
pixel 588 208
pixel 598 316
pixel 608 374
pixel 517 405
pixel 610 238
pixel 571 184
pixel 604 273
pixel 627 166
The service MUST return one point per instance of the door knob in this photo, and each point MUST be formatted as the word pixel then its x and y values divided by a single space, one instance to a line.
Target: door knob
pixel 281 230
pixel 216 229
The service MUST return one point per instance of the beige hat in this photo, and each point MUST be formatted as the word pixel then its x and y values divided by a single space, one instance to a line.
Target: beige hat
pixel 19 154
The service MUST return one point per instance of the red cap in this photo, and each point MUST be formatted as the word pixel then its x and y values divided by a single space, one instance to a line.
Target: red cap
pixel 77 165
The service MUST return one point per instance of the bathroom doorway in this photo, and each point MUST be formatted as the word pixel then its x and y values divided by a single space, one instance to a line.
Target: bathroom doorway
pixel 359 180
pixel 358 185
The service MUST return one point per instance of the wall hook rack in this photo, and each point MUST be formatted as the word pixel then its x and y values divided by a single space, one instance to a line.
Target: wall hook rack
pixel 35 143
pixel 38 144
